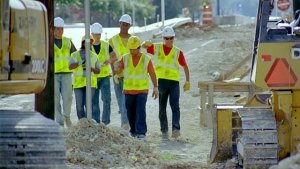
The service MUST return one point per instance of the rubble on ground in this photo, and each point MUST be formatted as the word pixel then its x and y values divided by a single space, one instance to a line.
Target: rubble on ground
pixel 96 145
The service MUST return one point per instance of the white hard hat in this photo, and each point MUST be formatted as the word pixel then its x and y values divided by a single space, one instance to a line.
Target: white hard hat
pixel 96 28
pixel 125 18
pixel 168 32
pixel 59 22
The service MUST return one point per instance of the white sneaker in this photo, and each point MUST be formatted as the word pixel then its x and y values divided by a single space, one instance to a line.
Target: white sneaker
pixel 125 126
pixel 68 122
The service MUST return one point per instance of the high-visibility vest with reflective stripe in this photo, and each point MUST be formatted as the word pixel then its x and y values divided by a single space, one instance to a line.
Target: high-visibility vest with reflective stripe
pixel 136 78
pixel 102 57
pixel 119 47
pixel 79 79
pixel 166 66
pixel 62 56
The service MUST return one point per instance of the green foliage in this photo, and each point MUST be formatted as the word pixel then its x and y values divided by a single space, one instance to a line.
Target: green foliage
pixel 109 11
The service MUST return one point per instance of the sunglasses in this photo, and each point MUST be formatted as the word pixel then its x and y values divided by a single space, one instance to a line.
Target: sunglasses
pixel 124 24
pixel 170 38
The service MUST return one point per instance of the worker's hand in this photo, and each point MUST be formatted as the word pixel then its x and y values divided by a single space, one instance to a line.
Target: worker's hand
pixel 147 44
pixel 186 86
pixel 116 67
pixel 106 62
pixel 155 93
pixel 95 70
pixel 116 79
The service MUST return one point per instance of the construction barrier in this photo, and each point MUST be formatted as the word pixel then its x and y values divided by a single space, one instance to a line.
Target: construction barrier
pixel 207 15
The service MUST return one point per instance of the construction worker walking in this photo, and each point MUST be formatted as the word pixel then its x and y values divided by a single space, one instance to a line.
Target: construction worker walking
pixel 166 60
pixel 119 43
pixel 63 47
pixel 107 57
pixel 77 63
pixel 137 67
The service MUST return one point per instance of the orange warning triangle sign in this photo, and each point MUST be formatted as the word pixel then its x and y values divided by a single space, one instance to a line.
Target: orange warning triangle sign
pixel 281 74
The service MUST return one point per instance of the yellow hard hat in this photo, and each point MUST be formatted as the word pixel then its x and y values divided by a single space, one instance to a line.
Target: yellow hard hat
pixel 83 38
pixel 133 42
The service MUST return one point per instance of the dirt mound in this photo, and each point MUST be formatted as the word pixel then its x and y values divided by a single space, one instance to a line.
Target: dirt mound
pixel 95 145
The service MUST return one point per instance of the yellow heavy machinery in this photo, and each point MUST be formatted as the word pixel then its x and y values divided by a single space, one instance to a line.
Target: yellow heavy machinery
pixel 27 139
pixel 267 128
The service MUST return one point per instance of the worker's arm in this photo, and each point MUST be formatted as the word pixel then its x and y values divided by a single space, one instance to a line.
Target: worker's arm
pixel 119 66
pixel 73 64
pixel 187 73
pixel 153 79
pixel 112 57
pixel 96 68
pixel 73 48
pixel 182 62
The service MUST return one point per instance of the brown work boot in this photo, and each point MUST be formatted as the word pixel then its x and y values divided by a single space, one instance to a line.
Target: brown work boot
pixel 175 134
pixel 68 122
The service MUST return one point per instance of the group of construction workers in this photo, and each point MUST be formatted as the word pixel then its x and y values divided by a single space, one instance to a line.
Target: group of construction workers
pixel 121 58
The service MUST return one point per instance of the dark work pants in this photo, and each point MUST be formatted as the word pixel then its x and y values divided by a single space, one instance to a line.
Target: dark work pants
pixel 169 89
pixel 136 113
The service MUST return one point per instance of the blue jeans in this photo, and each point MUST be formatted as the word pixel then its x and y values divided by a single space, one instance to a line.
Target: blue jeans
pixel 169 88
pixel 136 112
pixel 121 100
pixel 103 84
pixel 62 90
pixel 80 97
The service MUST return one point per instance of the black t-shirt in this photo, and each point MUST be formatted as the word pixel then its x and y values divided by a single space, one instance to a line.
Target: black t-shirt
pixel 98 47
pixel 58 43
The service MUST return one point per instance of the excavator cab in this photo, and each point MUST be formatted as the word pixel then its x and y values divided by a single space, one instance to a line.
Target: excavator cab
pixel 264 131
pixel 23 47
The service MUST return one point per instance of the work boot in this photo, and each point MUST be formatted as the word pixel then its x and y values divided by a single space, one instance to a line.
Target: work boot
pixel 141 137
pixel 175 134
pixel 68 122
pixel 165 135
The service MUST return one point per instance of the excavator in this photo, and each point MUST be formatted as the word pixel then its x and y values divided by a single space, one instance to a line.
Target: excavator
pixel 266 129
pixel 27 139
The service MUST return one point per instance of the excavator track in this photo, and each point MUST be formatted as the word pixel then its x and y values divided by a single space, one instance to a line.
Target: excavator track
pixel 257 144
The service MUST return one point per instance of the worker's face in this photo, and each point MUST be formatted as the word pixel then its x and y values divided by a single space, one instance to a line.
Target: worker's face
pixel 124 26
pixel 58 32
pixel 169 40
pixel 96 37
pixel 135 52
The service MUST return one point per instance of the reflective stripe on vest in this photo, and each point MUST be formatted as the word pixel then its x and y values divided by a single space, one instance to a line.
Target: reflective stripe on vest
pixel 102 57
pixel 166 66
pixel 62 56
pixel 136 78
pixel 79 79
pixel 119 47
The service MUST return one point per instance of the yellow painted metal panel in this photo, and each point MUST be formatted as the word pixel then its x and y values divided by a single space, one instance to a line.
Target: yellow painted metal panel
pixel 267 54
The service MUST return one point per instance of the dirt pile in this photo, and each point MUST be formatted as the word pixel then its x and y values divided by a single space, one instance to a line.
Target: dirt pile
pixel 292 162
pixel 95 145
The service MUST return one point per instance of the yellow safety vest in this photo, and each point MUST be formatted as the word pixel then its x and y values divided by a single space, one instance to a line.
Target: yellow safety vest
pixel 166 66
pixel 136 78
pixel 79 79
pixel 62 56
pixel 119 47
pixel 102 57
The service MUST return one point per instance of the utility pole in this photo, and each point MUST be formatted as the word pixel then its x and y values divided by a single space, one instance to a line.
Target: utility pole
pixel 163 13
pixel 123 7
pixel 87 59
pixel 44 101
pixel 133 14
